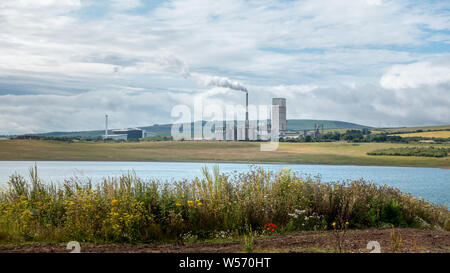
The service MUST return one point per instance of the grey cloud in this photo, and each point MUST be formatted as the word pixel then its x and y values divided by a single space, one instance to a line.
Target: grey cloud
pixel 80 68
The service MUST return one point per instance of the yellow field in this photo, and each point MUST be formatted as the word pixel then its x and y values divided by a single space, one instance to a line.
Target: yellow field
pixel 436 134
pixel 413 129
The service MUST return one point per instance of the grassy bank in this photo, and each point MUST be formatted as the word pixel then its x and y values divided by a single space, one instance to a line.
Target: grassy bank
pixel 310 153
pixel 128 209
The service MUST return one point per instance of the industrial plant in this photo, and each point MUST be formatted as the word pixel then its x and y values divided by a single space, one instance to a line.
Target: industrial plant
pixel 262 129
pixel 234 130
pixel 254 130
pixel 123 134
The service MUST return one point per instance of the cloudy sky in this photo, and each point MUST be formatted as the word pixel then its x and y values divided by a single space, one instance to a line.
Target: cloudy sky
pixel 64 64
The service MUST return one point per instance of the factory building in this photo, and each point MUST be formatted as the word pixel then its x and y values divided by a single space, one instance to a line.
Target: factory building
pixel 255 129
pixel 251 129
pixel 131 133
pixel 123 137
pixel 123 134
pixel 231 131
pixel 263 130
pixel 279 114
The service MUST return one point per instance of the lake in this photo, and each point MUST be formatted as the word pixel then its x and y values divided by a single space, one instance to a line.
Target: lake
pixel 432 184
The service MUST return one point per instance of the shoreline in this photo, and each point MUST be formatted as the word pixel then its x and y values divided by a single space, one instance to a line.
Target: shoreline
pixel 231 162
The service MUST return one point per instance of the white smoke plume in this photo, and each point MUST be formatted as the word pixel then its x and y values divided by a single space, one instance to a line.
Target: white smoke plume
pixel 202 79
pixel 207 80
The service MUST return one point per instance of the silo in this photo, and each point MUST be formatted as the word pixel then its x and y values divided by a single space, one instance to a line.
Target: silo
pixel 279 114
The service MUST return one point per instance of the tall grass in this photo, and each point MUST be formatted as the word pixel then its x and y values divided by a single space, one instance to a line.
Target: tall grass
pixel 128 209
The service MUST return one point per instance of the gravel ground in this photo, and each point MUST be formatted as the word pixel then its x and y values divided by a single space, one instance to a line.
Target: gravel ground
pixel 413 240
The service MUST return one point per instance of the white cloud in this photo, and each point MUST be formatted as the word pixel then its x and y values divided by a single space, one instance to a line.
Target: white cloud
pixel 127 107
pixel 416 75
pixel 374 2
pixel 305 50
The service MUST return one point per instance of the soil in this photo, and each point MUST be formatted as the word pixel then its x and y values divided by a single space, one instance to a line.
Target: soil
pixel 413 240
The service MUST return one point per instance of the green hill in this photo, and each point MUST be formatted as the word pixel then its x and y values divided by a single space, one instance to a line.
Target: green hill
pixel 164 129
pixel 309 124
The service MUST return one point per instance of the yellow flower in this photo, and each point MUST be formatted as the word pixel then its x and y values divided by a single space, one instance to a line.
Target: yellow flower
pixel 114 202
pixel 178 204
pixel 334 224
pixel 190 203
pixel 199 203
pixel 346 223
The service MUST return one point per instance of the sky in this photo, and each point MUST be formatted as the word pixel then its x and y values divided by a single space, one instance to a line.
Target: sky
pixel 64 64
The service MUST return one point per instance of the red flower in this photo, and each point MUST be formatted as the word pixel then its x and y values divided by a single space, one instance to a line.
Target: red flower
pixel 270 227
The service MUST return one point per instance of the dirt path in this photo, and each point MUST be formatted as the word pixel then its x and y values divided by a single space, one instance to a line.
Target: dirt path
pixel 414 240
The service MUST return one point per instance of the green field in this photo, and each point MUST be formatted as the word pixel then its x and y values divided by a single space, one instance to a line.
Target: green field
pixel 203 151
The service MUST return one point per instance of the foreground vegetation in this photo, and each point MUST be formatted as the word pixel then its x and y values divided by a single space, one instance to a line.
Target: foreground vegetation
pixel 413 151
pixel 127 209
pixel 340 153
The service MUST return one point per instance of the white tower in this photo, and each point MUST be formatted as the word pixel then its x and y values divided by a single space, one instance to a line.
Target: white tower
pixel 279 114
pixel 106 126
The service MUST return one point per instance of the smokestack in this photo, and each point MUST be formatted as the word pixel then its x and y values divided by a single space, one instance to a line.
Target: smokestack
pixel 246 116
pixel 106 126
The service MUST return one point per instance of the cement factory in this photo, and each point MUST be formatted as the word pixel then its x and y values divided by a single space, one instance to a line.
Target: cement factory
pixel 234 130
pixel 261 130
pixel 254 130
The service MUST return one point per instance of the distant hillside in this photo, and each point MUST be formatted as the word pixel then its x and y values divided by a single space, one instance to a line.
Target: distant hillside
pixel 308 124
pixel 164 129
pixel 82 134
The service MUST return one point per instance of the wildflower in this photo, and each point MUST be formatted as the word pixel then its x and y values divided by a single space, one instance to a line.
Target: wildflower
pixel 190 203
pixel 270 227
pixel 199 204
pixel 346 223
pixel 114 202
pixel 178 204
pixel 334 224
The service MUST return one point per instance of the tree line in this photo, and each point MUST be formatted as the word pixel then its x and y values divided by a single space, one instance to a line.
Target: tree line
pixel 355 135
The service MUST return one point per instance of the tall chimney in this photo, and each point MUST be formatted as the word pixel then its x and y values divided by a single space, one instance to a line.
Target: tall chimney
pixel 246 116
pixel 106 126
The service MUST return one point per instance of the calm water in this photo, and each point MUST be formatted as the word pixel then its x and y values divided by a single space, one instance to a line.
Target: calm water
pixel 430 183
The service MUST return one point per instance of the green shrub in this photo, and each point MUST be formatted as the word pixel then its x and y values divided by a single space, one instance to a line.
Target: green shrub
pixel 413 151
pixel 128 209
